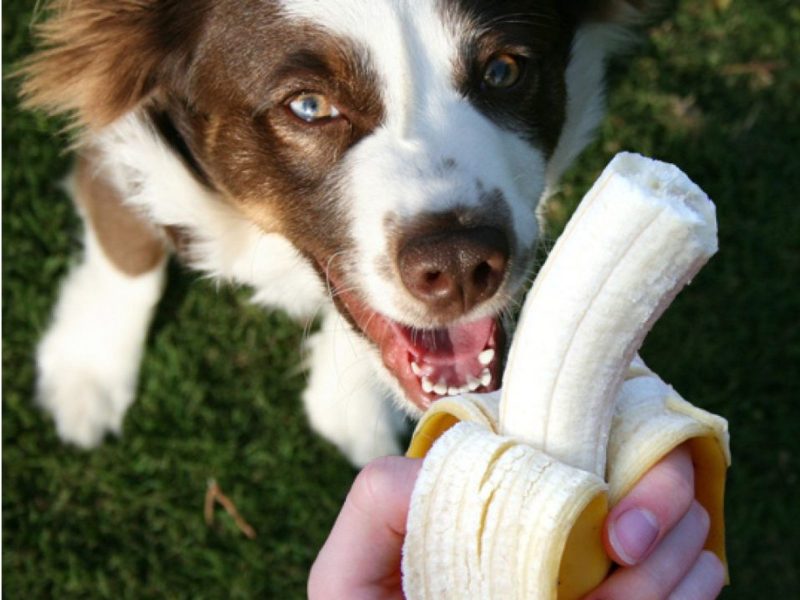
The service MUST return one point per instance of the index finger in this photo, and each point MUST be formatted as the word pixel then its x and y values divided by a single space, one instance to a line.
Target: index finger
pixel 361 557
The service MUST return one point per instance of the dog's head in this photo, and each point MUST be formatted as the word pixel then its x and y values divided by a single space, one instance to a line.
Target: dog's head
pixel 402 146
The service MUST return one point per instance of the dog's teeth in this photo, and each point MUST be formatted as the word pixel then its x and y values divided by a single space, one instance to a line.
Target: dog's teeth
pixel 486 378
pixel 473 383
pixel 464 389
pixel 440 388
pixel 486 357
pixel 427 385
pixel 416 369
pixel 453 391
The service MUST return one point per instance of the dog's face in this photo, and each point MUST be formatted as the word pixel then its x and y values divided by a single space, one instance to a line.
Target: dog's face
pixel 402 147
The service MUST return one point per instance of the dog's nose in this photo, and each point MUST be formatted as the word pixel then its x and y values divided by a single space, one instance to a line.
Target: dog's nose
pixel 454 270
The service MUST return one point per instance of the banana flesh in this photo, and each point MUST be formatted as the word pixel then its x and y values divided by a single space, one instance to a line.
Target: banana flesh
pixel 637 237
pixel 514 490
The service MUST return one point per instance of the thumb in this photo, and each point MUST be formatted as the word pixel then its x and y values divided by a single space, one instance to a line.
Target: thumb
pixel 651 509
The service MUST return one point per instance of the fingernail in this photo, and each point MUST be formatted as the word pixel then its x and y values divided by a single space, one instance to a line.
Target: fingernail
pixel 632 534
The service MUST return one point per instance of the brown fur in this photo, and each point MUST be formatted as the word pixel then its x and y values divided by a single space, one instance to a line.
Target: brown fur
pixel 131 244
pixel 101 58
pixel 232 126
pixel 218 103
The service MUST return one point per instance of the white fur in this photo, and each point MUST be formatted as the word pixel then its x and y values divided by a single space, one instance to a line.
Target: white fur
pixel 89 359
pixel 585 78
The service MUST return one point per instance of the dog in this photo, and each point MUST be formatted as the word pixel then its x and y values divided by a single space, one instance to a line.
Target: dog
pixel 376 163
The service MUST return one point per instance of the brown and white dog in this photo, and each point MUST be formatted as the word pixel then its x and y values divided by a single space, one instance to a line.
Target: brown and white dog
pixel 376 161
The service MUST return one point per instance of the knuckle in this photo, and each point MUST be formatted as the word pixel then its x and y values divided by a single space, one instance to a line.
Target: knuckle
pixel 680 478
pixel 372 483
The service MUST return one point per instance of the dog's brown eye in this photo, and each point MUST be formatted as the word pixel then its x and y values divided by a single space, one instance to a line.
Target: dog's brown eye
pixel 311 107
pixel 502 71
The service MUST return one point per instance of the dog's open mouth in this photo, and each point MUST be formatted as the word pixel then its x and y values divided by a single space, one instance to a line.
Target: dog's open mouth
pixel 433 363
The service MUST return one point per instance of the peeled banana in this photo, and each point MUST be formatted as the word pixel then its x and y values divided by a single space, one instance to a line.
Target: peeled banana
pixel 516 485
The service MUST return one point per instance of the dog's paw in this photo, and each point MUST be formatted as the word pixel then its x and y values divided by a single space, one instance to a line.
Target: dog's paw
pixel 85 384
pixel 88 360
pixel 345 401
pixel 363 427
pixel 84 407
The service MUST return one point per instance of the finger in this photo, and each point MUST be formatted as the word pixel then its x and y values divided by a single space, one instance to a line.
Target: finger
pixel 703 582
pixel 362 552
pixel 666 567
pixel 641 519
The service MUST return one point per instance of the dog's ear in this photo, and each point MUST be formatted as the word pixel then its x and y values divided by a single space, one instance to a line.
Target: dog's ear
pixel 616 11
pixel 101 58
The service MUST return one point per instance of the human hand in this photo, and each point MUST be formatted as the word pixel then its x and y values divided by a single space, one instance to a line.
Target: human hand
pixel 360 560
pixel 660 549
pixel 656 533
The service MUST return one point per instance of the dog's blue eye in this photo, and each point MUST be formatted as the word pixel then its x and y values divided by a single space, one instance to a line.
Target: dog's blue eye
pixel 312 107
pixel 502 71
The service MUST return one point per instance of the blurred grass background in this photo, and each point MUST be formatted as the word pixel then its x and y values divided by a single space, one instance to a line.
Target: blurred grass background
pixel 714 88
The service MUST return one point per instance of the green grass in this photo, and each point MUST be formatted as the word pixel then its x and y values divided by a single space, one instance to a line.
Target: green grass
pixel 715 92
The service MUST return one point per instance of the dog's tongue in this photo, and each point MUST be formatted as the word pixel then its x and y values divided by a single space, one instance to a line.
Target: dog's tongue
pixel 446 345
